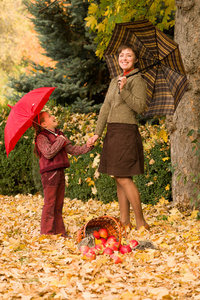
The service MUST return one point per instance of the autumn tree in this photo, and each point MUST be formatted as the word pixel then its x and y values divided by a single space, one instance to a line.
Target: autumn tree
pixel 184 126
pixel 80 78
pixel 103 16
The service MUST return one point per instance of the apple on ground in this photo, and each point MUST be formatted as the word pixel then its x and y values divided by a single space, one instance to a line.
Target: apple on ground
pixel 133 243
pixel 95 250
pixel 96 234
pixel 117 259
pixel 103 241
pixel 111 236
pixel 99 248
pixel 114 247
pixel 84 249
pixel 125 249
pixel 103 233
pixel 110 241
pixel 108 251
pixel 90 255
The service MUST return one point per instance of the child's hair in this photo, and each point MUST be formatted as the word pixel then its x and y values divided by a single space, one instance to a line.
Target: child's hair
pixel 36 125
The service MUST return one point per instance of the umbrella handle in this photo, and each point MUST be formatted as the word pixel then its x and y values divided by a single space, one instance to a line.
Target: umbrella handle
pixel 46 128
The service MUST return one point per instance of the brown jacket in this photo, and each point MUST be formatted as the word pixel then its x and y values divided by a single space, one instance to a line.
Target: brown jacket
pixel 123 107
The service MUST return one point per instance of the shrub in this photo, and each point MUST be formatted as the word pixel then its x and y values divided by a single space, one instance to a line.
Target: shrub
pixel 85 182
pixel 20 171
pixel 16 170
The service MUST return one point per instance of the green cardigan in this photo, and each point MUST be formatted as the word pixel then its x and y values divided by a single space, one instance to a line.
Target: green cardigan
pixel 123 107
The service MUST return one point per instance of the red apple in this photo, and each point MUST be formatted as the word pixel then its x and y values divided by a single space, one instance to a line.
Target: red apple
pixel 103 241
pixel 117 259
pixel 84 249
pixel 96 235
pixel 103 233
pixel 108 251
pixel 99 248
pixel 111 236
pixel 90 255
pixel 115 246
pixel 133 243
pixel 111 241
pixel 94 249
pixel 125 249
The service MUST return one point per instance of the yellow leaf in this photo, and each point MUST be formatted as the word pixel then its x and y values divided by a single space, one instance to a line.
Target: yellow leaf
pixel 194 214
pixel 167 188
pixel 101 261
pixel 101 280
pixel 91 22
pixel 97 242
pixel 91 183
pixel 128 295
pixel 162 201
pixel 92 8
pixel 64 281
pixel 94 190
pixel 163 135
pixel 54 283
pixel 147 146
pixel 165 158
pixel 101 27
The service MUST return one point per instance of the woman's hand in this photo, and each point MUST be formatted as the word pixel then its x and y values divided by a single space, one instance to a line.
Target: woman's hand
pixel 92 140
pixel 121 82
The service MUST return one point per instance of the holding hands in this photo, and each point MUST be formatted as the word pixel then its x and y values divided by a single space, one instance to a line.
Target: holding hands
pixel 92 140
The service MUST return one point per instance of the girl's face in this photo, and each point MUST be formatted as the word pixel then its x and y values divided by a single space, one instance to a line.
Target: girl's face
pixel 49 121
pixel 127 59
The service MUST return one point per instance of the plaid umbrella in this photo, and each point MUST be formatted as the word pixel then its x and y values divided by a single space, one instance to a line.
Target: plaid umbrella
pixel 159 62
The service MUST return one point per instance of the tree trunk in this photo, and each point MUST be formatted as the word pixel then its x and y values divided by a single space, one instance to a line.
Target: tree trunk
pixel 187 116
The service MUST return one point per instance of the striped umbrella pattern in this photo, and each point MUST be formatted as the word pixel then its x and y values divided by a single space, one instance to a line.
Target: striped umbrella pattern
pixel 160 64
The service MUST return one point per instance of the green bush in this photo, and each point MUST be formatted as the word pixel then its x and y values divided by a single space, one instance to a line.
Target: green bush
pixel 20 171
pixel 85 182
pixel 16 169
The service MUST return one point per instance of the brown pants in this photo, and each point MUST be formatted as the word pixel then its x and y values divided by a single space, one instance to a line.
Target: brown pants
pixel 54 190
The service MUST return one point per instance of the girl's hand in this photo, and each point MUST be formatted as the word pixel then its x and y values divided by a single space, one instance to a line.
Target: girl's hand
pixel 121 82
pixel 62 136
pixel 92 140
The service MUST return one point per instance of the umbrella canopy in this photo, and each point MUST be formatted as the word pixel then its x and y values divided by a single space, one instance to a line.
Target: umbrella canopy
pixel 159 62
pixel 22 114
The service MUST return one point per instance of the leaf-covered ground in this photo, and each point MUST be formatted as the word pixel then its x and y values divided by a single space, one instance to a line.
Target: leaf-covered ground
pixel 43 267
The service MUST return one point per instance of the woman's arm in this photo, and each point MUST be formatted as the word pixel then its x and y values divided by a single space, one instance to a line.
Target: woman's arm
pixel 104 111
pixel 134 93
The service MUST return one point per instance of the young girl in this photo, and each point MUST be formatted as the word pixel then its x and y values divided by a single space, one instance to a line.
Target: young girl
pixel 52 151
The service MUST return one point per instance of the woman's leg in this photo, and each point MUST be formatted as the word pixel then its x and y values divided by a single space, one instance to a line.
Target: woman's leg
pixel 132 195
pixel 124 205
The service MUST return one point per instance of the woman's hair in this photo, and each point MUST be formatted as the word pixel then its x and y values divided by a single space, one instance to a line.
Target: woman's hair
pixel 128 46
pixel 36 125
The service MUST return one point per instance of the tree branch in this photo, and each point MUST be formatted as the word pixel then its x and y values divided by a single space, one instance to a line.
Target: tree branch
pixel 47 6
pixel 152 1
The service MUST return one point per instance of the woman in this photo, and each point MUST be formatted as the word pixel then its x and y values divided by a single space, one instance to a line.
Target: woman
pixel 122 154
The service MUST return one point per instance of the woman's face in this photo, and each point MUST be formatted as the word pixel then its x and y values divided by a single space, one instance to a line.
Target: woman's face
pixel 127 59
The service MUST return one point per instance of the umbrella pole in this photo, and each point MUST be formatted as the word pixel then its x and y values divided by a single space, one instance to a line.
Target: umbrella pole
pixel 45 128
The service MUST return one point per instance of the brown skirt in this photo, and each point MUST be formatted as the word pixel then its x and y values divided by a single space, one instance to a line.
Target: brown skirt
pixel 122 153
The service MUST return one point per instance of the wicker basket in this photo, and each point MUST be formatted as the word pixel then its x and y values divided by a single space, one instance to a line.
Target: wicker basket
pixel 113 225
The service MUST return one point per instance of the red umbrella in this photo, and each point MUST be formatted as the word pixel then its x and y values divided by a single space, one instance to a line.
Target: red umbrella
pixel 23 113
